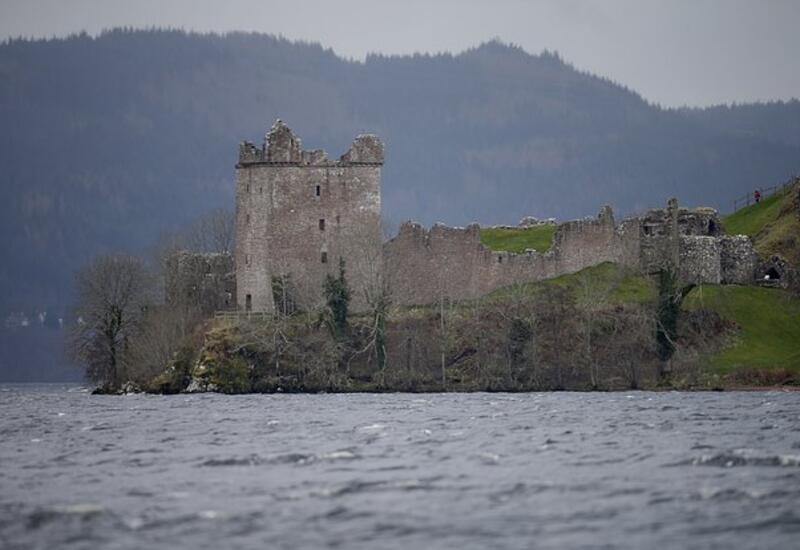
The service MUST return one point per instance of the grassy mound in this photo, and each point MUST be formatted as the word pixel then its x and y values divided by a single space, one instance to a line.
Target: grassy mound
pixel 750 220
pixel 773 224
pixel 769 326
pixel 537 237
pixel 767 320
pixel 607 282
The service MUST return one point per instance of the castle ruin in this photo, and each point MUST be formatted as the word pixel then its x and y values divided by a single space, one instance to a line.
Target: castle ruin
pixel 298 213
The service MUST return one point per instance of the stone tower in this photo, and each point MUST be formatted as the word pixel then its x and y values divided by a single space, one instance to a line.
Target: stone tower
pixel 297 213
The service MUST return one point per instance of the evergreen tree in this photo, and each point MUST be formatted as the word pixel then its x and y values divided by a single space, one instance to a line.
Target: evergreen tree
pixel 670 299
pixel 337 296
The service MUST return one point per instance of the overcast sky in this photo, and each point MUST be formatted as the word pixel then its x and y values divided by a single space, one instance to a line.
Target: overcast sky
pixel 673 52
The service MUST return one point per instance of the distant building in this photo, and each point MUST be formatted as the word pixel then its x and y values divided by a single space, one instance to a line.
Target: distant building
pixel 298 213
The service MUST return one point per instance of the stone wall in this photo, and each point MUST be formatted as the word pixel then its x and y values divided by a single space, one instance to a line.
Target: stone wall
pixel 206 281
pixel 297 213
pixel 738 260
pixel 690 221
pixel 692 239
pixel 425 265
pixel 699 260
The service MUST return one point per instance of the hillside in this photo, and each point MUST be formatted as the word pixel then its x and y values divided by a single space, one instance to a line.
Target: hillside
pixel 594 329
pixel 142 136
pixel 767 331
pixel 108 142
pixel 762 347
pixel 773 224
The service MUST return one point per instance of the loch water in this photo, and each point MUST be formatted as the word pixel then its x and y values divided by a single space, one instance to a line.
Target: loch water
pixel 539 470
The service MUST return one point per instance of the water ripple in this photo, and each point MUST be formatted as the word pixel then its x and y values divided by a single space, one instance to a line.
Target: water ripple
pixel 560 470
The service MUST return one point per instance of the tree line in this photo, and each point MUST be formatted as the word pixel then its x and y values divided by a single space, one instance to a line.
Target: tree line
pixel 576 334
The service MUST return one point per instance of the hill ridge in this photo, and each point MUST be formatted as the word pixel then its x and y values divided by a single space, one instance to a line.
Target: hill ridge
pixel 112 140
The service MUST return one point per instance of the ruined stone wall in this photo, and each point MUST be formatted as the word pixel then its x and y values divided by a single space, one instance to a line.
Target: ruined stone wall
pixel 699 260
pixel 629 242
pixel 701 222
pixel 692 239
pixel 738 260
pixel 297 213
pixel 206 281
pixel 655 253
pixel 425 265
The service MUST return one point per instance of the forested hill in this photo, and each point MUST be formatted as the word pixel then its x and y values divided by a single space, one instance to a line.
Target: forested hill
pixel 108 141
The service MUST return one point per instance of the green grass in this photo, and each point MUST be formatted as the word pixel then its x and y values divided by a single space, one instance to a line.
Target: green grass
pixel 605 282
pixel 538 237
pixel 768 319
pixel 752 219
pixel 772 224
pixel 769 326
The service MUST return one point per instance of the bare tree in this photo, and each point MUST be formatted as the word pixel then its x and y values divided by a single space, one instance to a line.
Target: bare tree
pixel 555 334
pixel 163 330
pixel 518 311
pixel 593 296
pixel 113 294
pixel 626 345
pixel 446 306
pixel 214 232
pixel 372 288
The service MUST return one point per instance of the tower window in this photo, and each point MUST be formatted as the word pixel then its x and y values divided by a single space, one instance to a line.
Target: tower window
pixel 322 225
pixel 324 258
pixel 248 302
pixel 317 191
pixel 248 187
pixel 247 218
pixel 247 259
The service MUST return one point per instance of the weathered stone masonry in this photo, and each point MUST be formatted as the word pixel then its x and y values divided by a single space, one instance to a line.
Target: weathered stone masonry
pixel 204 281
pixel 424 266
pixel 297 213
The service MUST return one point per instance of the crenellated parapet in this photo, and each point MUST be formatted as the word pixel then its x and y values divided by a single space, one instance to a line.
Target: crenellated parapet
pixel 366 149
pixel 282 147
pixel 250 154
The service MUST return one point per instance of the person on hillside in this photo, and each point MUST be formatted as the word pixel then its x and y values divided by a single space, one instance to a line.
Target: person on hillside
pixel 757 196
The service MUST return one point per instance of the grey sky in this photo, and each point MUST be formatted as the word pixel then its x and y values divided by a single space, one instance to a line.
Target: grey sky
pixel 673 52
